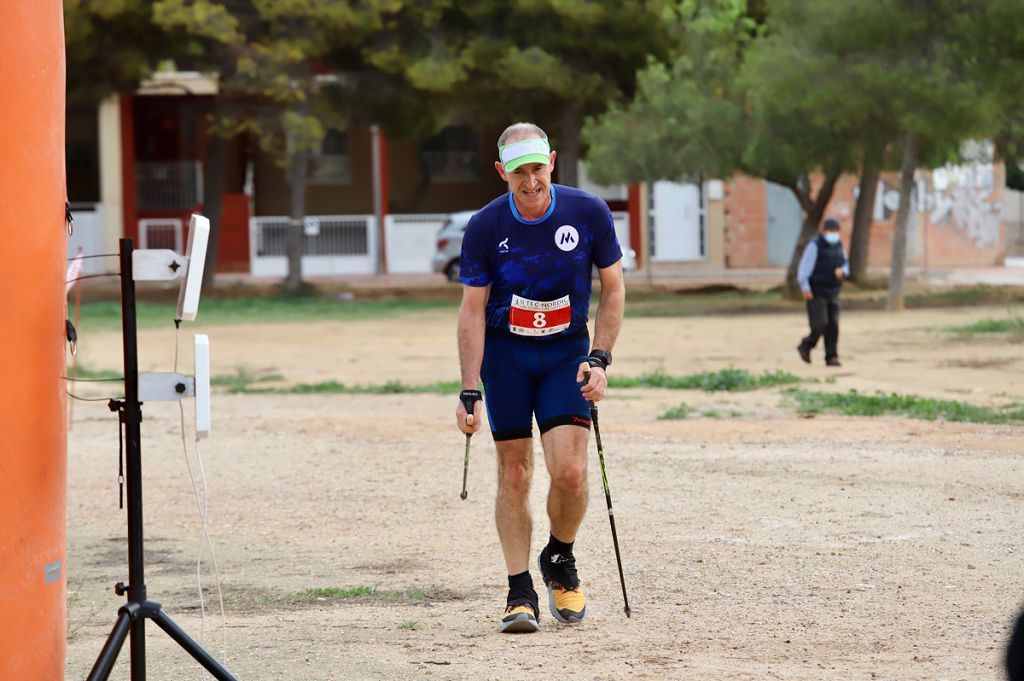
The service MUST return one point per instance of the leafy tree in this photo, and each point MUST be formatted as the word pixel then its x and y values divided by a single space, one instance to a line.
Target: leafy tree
pixel 112 46
pixel 496 62
pixel 808 92
pixel 734 100
pixel 280 63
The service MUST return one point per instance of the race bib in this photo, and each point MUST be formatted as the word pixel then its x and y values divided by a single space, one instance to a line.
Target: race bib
pixel 539 318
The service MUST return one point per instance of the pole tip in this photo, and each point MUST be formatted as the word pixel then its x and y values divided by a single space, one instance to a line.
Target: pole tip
pixel 464 495
pixel 629 613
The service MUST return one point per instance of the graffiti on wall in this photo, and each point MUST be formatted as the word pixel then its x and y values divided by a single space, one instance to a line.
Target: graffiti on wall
pixel 963 196
pixel 957 196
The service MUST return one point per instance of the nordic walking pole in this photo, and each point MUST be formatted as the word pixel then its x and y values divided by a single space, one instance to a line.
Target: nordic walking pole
pixel 469 399
pixel 465 468
pixel 608 498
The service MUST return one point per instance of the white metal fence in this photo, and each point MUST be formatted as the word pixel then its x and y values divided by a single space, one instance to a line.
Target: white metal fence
pixel 332 245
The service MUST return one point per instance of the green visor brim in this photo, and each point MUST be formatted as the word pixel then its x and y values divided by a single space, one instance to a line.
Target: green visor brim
pixel 543 159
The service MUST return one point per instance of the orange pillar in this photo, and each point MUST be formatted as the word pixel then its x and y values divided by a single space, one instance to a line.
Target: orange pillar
pixel 32 308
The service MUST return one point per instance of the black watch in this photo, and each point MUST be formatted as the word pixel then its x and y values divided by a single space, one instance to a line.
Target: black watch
pixel 600 358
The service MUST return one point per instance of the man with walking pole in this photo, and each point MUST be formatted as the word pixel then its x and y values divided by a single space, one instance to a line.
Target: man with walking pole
pixel 526 267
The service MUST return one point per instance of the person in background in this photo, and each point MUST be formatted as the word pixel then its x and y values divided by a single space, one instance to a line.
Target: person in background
pixel 820 275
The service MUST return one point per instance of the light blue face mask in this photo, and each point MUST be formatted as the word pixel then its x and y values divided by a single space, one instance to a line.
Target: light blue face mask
pixel 832 237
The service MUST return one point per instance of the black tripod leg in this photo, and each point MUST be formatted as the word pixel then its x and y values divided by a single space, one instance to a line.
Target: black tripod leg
pixel 191 647
pixel 105 662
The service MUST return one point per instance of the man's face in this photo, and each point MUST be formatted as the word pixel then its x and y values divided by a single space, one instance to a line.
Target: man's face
pixel 530 183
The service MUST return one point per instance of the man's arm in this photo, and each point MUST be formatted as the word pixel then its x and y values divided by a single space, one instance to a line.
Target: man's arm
pixel 606 326
pixel 806 266
pixel 471 349
pixel 610 308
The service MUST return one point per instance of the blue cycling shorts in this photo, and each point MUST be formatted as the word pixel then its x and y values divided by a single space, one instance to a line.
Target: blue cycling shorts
pixel 524 377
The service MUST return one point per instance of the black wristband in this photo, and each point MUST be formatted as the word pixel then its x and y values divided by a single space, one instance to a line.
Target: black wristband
pixel 469 399
pixel 600 358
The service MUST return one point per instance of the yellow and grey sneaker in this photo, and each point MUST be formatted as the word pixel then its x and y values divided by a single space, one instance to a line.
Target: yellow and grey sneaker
pixel 565 596
pixel 519 618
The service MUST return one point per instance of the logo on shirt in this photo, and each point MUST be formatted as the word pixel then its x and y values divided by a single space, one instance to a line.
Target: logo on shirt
pixel 503 245
pixel 567 238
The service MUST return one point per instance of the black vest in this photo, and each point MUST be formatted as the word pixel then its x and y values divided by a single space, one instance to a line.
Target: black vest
pixel 830 256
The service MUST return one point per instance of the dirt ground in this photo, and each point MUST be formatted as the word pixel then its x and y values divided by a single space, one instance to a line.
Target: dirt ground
pixel 758 546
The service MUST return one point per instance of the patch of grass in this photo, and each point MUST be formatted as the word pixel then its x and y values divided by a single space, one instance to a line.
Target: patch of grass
pixel 409 595
pixel 243 379
pixel 332 593
pixel 107 314
pixel 676 413
pixel 335 388
pixel 716 414
pixel 690 303
pixel 730 379
pixel 335 593
pixel 684 412
pixel 853 403
pixel 85 373
pixel 411 625
pixel 1014 325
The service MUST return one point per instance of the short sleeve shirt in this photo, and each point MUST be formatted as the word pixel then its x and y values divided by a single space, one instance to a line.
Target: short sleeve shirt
pixel 540 261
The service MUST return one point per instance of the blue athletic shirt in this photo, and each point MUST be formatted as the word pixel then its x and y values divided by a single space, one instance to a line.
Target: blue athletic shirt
pixel 542 261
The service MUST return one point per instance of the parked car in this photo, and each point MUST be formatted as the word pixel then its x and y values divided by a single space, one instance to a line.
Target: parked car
pixel 449 246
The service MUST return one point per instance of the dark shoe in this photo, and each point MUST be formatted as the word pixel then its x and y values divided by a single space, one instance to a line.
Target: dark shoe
pixel 519 619
pixel 805 354
pixel 565 596
pixel 522 612
pixel 833 362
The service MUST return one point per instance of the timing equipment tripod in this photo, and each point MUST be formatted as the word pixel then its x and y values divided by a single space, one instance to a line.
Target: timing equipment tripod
pixel 132 616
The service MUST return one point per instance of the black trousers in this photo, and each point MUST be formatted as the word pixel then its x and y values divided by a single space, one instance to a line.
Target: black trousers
pixel 823 316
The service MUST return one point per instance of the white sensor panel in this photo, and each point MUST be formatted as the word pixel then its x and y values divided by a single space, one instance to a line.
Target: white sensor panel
pixel 202 385
pixel 198 238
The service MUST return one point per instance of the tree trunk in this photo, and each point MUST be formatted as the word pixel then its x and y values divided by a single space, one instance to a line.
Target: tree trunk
pixel 569 146
pixel 213 198
pixel 899 236
pixel 297 174
pixel 814 209
pixel 863 214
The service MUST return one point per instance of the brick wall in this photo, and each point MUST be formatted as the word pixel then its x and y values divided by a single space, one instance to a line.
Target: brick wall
pixel 746 223
pixel 956 220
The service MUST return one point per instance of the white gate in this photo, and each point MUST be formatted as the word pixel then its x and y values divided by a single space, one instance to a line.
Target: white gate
pixel 332 245
pixel 411 241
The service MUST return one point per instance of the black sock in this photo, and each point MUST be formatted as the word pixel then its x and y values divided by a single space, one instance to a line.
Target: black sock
pixel 559 548
pixel 520 590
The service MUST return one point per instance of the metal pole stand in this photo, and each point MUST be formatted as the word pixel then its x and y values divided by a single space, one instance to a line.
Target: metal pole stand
pixel 132 616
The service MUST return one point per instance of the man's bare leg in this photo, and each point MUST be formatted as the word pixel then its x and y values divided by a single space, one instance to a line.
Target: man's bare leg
pixel 512 506
pixel 565 452
pixel 512 516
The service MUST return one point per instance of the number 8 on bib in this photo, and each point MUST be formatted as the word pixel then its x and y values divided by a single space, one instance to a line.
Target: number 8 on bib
pixel 538 318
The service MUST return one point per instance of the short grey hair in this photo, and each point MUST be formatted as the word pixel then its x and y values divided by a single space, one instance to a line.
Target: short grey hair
pixel 520 131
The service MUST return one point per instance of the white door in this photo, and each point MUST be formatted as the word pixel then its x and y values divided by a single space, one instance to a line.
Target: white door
pixel 677 222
